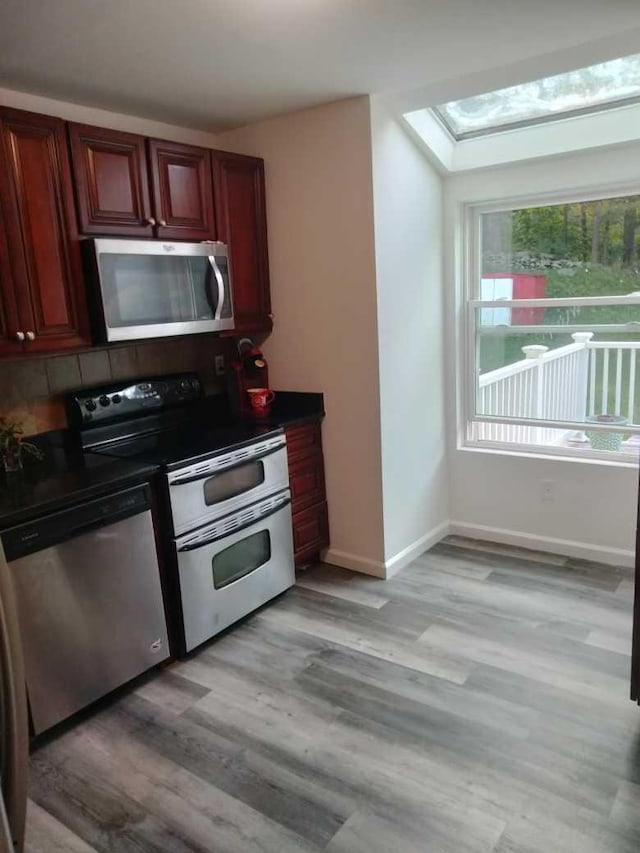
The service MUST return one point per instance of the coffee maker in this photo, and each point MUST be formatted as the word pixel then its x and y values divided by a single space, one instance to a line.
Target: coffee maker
pixel 248 370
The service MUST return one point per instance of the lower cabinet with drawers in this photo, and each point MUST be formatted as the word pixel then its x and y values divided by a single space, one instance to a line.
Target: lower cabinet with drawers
pixel 308 495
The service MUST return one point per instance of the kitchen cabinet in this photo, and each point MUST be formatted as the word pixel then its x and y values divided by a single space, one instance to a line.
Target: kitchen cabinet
pixel 241 222
pixel 308 494
pixel 60 180
pixel 9 321
pixel 111 182
pixel 182 192
pixel 130 186
pixel 42 291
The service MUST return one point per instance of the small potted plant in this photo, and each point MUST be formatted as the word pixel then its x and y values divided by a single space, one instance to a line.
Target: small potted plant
pixel 611 441
pixel 12 445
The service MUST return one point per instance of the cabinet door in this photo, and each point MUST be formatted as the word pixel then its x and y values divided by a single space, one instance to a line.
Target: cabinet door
pixel 9 321
pixel 306 481
pixel 43 249
pixel 111 182
pixel 182 196
pixel 241 221
pixel 310 533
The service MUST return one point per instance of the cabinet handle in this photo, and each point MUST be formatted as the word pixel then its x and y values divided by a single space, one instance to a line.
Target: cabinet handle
pixel 151 220
pixel 162 222
pixel 19 336
pixel 31 336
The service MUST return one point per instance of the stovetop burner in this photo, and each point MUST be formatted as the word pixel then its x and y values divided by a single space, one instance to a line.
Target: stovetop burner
pixel 175 447
pixel 162 421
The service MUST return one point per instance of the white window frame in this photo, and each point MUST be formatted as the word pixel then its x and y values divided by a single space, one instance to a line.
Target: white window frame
pixel 471 283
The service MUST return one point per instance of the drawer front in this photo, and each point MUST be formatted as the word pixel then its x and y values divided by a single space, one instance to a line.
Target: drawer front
pixel 302 441
pixel 306 480
pixel 310 532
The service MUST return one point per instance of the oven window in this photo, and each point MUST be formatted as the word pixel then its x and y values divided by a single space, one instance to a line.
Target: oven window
pixel 228 484
pixel 241 559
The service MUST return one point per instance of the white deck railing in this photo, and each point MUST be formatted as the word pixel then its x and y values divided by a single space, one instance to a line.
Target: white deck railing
pixel 612 365
pixel 565 384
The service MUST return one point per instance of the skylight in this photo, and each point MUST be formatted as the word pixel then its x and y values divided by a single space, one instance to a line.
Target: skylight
pixel 596 87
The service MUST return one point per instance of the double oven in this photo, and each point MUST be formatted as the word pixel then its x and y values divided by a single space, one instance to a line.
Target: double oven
pixel 232 535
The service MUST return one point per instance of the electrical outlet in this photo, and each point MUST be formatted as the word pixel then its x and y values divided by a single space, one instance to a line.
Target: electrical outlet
pixel 548 490
pixel 219 365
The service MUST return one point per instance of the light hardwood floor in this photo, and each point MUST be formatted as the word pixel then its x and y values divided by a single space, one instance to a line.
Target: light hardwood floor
pixel 476 702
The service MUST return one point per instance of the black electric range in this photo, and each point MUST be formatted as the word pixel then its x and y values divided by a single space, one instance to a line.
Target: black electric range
pixel 165 421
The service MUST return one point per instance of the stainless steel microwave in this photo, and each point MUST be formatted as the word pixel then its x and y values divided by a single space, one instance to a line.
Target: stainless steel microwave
pixel 151 289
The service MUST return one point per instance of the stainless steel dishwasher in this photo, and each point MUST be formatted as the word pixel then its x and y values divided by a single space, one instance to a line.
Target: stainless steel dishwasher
pixel 89 601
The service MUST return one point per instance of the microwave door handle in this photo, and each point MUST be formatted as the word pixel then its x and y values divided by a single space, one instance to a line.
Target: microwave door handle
pixel 208 290
pixel 252 523
pixel 219 280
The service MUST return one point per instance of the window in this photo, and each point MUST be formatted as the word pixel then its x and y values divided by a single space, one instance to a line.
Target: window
pixel 608 84
pixel 554 327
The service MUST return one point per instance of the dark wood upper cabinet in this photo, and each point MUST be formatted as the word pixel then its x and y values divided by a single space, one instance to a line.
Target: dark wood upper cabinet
pixel 111 182
pixel 241 221
pixel 182 198
pixel 60 180
pixel 39 224
pixel 9 320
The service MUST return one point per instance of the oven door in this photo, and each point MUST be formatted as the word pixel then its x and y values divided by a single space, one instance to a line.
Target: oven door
pixel 218 486
pixel 233 566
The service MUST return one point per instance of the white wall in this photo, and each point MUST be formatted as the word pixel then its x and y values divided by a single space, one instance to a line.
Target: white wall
pixel 499 497
pixel 321 255
pixel 407 194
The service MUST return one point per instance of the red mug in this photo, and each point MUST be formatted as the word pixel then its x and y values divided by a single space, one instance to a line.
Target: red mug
pixel 260 399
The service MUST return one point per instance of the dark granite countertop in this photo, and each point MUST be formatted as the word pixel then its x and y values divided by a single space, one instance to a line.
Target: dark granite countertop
pixel 66 475
pixel 290 408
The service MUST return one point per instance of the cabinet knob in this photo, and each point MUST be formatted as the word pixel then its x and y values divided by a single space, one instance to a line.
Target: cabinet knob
pixel 151 220
pixel 162 222
pixel 19 336
pixel 31 336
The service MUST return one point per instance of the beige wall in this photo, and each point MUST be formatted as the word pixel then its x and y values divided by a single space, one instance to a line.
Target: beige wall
pixel 321 252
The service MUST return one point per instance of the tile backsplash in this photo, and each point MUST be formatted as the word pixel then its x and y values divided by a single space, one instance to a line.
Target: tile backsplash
pixel 31 390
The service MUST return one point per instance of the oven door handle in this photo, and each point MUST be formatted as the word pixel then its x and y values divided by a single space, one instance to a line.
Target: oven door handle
pixel 220 282
pixel 252 523
pixel 183 481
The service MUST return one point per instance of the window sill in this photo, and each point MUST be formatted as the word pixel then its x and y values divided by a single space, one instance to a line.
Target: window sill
pixel 560 454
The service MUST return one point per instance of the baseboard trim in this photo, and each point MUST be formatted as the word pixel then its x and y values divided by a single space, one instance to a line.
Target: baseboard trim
pixel 565 547
pixel 408 555
pixel 352 561
pixel 378 569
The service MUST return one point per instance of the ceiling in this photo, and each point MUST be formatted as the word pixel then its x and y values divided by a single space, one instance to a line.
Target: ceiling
pixel 216 65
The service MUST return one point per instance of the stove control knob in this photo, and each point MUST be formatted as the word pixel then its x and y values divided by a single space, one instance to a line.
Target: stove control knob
pixel 116 399
pixel 104 400
pixel 185 384
pixel 90 405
